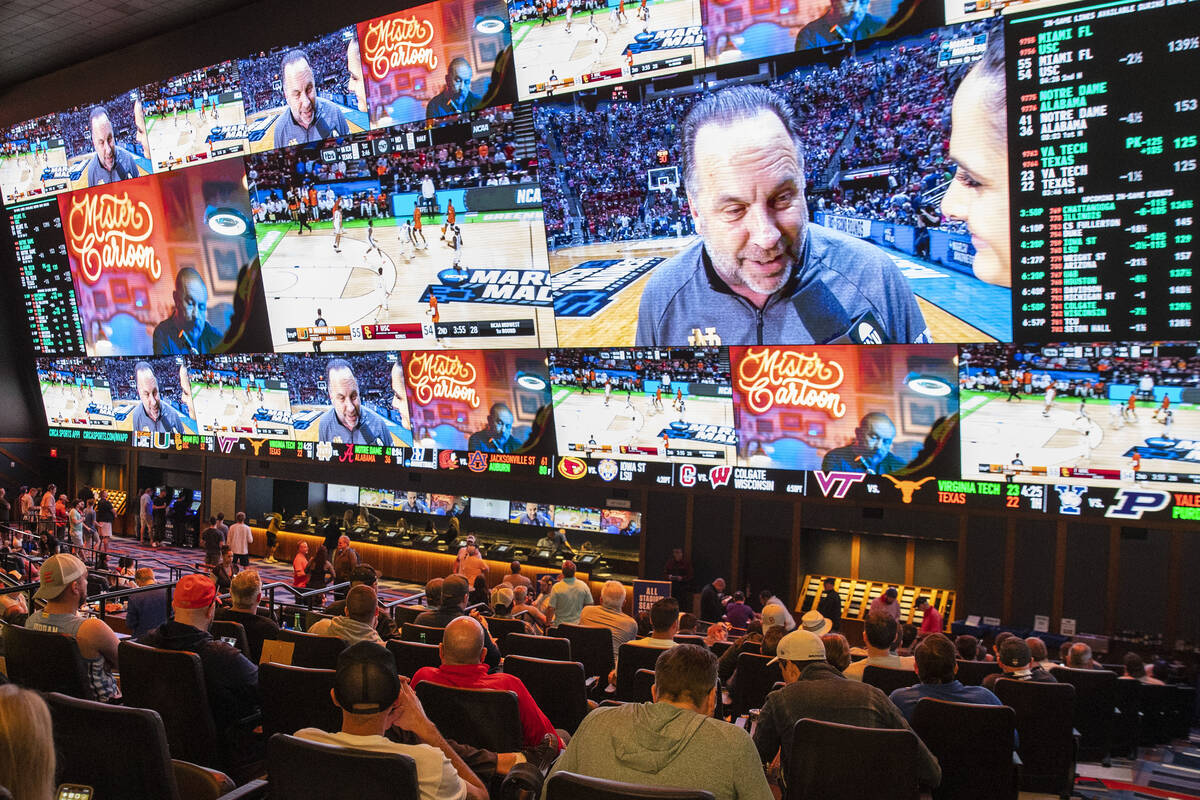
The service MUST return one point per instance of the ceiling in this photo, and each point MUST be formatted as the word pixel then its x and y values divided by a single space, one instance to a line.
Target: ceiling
pixel 38 37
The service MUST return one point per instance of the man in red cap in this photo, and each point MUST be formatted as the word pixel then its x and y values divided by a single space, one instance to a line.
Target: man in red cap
pixel 231 678
pixel 63 579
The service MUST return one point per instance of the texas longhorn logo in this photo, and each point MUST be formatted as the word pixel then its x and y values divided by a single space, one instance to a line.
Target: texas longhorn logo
pixel 257 444
pixel 908 488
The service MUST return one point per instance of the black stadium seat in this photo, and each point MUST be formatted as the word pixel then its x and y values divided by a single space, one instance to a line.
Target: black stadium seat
pixel 45 662
pixel 411 656
pixel 486 718
pixel 302 770
pixel 569 786
pixel 832 760
pixel 974 747
pixel 558 687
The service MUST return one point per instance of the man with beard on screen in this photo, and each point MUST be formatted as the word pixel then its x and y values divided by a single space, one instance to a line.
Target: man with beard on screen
pixel 762 273
pixel 151 413
pixel 871 451
pixel 347 421
pixel 109 162
pixel 307 118
pixel 186 331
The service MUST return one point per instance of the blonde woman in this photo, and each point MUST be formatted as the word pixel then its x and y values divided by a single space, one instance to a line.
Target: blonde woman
pixel 26 744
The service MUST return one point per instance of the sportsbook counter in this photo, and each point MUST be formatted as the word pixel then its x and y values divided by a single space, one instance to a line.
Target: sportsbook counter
pixel 415 565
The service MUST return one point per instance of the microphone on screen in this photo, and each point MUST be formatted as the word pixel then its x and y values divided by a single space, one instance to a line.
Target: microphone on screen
pixel 828 321
pixel 187 342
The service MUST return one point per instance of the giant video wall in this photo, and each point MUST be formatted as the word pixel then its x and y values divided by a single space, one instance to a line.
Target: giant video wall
pixel 805 249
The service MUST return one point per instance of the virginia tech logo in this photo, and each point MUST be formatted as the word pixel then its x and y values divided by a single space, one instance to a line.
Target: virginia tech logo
pixel 837 482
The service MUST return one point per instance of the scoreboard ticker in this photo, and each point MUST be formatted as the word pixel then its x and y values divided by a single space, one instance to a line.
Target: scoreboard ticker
pixel 1104 170
pixel 46 285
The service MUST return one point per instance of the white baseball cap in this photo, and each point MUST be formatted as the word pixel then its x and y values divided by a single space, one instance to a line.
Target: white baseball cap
pixel 773 614
pixel 57 573
pixel 799 645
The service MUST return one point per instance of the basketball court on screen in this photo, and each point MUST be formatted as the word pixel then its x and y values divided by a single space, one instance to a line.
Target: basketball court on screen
pixel 1065 439
pixel 188 135
pixel 303 274
pixel 33 174
pixel 77 406
pixel 232 409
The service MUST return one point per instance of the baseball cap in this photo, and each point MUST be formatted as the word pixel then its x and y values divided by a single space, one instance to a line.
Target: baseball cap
pixel 454 588
pixel 1014 652
pixel 194 591
pixel 503 597
pixel 772 615
pixel 366 681
pixel 814 622
pixel 799 645
pixel 57 573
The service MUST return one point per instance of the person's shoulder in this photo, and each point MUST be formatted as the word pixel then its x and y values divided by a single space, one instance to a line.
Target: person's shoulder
pixel 670 277
pixel 850 251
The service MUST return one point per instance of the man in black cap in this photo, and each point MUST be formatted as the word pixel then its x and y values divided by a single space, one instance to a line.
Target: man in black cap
pixel 374 699
pixel 1016 662
pixel 830 604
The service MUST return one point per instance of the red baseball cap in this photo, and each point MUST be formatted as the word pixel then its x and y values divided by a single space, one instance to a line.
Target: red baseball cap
pixel 194 591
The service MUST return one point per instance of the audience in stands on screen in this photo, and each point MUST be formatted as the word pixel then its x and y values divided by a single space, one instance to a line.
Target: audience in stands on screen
pixel 673 741
pixel 1079 656
pixel 568 597
pixel 63 587
pixel 462 652
pixel 610 614
pixel 146 610
pixel 356 622
pixel 318 570
pixel 816 690
pixel 937 665
pixel 453 594
pixel 881 636
pixel 374 701
pixel 366 575
pixel 1016 663
pixel 245 595
pixel 230 678
pixel 837 651
pixel 27 755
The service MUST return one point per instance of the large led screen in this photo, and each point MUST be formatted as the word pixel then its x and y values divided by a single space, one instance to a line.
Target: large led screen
pixel 1117 414
pixel 853 229
pixel 106 141
pixel 644 404
pixel 166 264
pixel 877 410
pixel 33 159
pixel 351 399
pixel 151 395
pixel 193 117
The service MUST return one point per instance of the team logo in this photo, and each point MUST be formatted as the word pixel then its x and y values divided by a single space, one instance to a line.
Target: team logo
pixel 226 443
pixel 687 475
pixel 1132 503
pixel 257 444
pixel 447 459
pixel 572 467
pixel 719 476
pixel 607 469
pixel 837 482
pixel 584 290
pixel 908 488
pixel 324 451
pixel 477 461
pixel 1070 498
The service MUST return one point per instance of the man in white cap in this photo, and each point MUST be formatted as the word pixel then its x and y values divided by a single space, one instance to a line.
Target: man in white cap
pixel 816 690
pixel 63 580
pixel 767 598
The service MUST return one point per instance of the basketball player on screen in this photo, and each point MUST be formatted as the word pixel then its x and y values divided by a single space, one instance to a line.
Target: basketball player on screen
pixel 416 219
pixel 1050 392
pixel 570 11
pixel 407 245
pixel 449 221
pixel 319 322
pixel 1163 410
pixel 337 228
pixel 457 243
pixel 607 392
pixel 384 292
pixel 372 245
pixel 434 314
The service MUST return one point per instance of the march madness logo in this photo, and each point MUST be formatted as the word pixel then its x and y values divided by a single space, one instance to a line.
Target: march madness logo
pixel 584 290
pixel 1167 449
pixel 697 432
pixel 669 39
pixel 517 287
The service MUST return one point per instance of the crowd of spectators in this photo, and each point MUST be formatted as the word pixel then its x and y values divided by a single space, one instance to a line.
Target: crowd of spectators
pixel 995 362
pixel 573 367
pixel 526 10
pixel 306 378
pixel 77 127
pixel 24 136
pixel 199 84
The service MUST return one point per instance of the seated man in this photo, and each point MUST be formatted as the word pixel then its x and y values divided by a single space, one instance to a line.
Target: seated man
pixel 230 677
pixel 357 621
pixel 515 577
pixel 816 690
pixel 454 591
pixel 1016 663
pixel 63 580
pixel 502 608
pixel 674 741
pixel 610 614
pixel 374 699
pixel 1079 656
pixel 148 610
pixel 1037 649
pixel 366 575
pixel 245 593
pixel 462 652
pixel 880 634
pixel 664 620
pixel 522 607
pixel 937 664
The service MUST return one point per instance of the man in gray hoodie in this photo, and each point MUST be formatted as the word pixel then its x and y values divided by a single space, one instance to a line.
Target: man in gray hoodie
pixel 357 623
pixel 673 741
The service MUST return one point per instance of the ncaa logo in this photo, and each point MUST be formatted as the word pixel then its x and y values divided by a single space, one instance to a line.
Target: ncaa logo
pixel 1132 503
pixel 572 467
pixel 687 475
pixel 719 476
pixel 450 277
pixel 607 469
